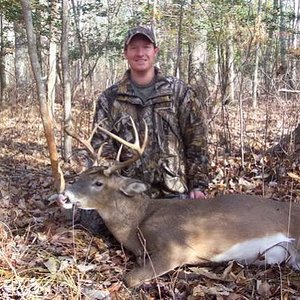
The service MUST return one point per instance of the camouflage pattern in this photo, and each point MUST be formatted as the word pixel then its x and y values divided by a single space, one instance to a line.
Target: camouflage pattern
pixel 140 30
pixel 175 159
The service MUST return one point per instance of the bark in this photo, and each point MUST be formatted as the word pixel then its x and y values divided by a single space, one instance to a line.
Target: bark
pixel 178 67
pixel 41 90
pixel 270 52
pixel 66 79
pixel 2 64
pixel 22 72
pixel 190 71
pixel 296 28
pixel 81 67
pixel 282 37
pixel 52 74
pixel 257 53
pixel 231 72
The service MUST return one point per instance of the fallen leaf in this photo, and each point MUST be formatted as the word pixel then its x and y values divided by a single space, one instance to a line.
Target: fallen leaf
pixel 294 176
pixel 52 265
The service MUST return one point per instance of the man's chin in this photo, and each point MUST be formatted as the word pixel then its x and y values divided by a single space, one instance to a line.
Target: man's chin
pixel 140 69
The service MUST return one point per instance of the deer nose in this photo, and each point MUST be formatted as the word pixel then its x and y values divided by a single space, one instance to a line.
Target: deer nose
pixel 64 201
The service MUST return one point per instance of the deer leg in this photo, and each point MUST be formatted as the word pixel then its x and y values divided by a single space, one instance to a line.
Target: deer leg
pixel 152 268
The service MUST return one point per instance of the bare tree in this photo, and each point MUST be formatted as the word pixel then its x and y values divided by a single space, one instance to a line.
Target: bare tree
pixel 230 58
pixel 81 44
pixel 66 78
pixel 178 65
pixel 295 41
pixel 51 83
pixel 2 62
pixel 42 96
pixel 257 54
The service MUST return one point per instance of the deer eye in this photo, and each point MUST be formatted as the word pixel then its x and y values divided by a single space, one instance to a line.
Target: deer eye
pixel 98 183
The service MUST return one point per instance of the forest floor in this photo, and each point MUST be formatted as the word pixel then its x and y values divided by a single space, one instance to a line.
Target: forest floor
pixel 43 256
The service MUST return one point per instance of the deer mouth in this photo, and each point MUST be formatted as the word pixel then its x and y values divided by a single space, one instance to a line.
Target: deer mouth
pixel 64 201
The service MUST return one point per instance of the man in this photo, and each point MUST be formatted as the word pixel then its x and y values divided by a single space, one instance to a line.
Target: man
pixel 175 160
pixel 174 163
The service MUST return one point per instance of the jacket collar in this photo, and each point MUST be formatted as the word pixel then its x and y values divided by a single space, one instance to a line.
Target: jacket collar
pixel 162 89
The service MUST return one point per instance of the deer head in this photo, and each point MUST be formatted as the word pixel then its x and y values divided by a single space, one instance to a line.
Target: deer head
pixel 92 175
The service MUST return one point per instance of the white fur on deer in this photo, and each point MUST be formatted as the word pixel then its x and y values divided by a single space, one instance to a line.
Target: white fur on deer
pixel 273 249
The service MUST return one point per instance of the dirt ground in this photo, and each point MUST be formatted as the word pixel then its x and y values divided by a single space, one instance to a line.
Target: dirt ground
pixel 45 255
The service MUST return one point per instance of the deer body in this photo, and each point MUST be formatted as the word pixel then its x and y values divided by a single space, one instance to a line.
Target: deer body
pixel 167 233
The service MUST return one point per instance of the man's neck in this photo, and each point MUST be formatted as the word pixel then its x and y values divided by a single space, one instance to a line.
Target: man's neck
pixel 142 78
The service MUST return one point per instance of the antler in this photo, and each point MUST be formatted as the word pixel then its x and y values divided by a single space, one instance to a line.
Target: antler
pixel 87 143
pixel 136 146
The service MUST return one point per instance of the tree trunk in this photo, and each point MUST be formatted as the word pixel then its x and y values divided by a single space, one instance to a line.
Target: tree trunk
pixel 52 58
pixel 257 53
pixel 190 71
pixel 44 108
pixel 66 79
pixel 178 66
pixel 81 49
pixel 231 72
pixel 22 72
pixel 296 28
pixel 282 36
pixel 2 64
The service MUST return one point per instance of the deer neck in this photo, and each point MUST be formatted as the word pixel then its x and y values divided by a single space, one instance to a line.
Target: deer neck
pixel 123 216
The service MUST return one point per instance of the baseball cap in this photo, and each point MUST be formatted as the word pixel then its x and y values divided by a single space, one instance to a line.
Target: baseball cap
pixel 147 32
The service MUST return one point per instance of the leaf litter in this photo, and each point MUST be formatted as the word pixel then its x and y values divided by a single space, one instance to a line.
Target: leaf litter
pixel 45 255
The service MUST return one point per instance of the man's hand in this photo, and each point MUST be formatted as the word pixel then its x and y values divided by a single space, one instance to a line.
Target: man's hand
pixel 197 194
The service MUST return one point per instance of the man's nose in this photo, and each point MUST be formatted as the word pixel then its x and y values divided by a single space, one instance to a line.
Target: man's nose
pixel 140 51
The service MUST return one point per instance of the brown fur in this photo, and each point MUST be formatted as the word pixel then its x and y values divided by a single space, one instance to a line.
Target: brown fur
pixel 172 232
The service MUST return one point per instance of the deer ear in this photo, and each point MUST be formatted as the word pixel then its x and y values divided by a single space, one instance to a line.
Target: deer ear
pixel 133 188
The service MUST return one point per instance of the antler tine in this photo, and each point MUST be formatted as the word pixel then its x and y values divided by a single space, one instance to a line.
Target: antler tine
pixel 145 142
pixel 119 153
pixel 135 146
pixel 84 142
pixel 87 143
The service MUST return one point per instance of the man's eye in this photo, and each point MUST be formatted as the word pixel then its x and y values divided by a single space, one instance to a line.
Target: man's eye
pixel 98 183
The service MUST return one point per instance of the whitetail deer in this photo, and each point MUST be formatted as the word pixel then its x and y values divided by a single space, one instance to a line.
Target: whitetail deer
pixel 167 233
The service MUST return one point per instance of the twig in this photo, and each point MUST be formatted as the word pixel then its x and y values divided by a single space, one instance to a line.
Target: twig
pixel 289 91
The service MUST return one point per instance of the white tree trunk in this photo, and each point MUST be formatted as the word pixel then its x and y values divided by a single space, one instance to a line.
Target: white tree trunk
pixel 22 72
pixel 257 54
pixel 66 79
pixel 52 59
pixel 296 27
pixel 231 75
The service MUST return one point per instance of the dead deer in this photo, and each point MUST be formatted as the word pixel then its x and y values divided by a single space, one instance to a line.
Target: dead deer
pixel 166 233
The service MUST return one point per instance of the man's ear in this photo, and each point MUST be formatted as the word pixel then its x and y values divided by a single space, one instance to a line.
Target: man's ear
pixel 125 53
pixel 133 188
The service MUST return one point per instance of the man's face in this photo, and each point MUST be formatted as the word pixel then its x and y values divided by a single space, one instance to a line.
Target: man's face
pixel 140 53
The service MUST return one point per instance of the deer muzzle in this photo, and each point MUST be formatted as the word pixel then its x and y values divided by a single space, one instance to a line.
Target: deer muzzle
pixel 64 201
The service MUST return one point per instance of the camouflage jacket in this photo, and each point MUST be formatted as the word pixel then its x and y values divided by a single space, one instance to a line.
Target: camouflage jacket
pixel 175 159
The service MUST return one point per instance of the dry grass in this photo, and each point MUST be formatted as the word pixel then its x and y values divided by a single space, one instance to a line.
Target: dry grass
pixel 43 257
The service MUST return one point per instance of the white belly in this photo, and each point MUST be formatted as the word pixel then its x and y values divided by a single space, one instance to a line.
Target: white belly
pixel 266 250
